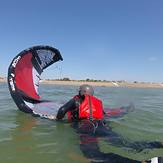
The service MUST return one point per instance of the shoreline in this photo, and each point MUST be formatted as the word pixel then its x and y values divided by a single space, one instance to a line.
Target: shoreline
pixel 100 83
pixel 105 84
pixel 3 80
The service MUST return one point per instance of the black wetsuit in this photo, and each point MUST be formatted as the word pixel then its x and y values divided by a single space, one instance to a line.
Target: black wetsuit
pixel 91 130
pixel 73 106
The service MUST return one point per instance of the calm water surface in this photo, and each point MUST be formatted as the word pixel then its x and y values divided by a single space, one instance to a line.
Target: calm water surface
pixel 24 138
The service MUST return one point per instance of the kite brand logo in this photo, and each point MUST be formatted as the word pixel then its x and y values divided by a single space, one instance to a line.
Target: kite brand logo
pixel 12 84
pixel 14 63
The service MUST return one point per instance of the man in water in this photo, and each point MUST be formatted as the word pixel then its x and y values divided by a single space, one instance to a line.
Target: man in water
pixel 83 106
pixel 87 116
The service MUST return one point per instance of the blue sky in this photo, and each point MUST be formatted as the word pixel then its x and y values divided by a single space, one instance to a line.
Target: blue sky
pixel 98 39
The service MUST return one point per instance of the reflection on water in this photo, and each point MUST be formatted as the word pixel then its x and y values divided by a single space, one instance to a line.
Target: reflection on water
pixel 24 138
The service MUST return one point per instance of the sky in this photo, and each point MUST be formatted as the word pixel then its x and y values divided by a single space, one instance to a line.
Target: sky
pixel 98 39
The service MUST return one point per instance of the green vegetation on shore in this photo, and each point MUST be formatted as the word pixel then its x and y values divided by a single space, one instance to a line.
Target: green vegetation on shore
pixel 119 83
pixel 95 80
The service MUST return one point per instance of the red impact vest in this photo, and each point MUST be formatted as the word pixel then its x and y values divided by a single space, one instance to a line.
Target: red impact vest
pixel 91 107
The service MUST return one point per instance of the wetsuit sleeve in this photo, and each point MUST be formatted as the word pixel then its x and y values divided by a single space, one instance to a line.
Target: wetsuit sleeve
pixel 69 106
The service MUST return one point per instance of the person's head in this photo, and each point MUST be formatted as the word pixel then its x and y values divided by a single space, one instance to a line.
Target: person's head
pixel 86 89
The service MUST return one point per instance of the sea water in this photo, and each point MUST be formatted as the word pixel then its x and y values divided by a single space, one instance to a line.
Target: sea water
pixel 24 138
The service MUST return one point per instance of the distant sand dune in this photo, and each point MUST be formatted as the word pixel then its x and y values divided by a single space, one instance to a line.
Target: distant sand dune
pixel 3 79
pixel 104 84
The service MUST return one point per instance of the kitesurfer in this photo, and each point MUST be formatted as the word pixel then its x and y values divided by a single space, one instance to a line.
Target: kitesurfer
pixel 83 106
pixel 87 111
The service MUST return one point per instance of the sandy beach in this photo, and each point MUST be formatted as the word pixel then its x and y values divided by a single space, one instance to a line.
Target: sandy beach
pixel 106 84
pixel 100 83
pixel 3 79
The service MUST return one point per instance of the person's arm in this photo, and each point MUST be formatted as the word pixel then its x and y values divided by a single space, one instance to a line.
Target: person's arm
pixel 69 106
